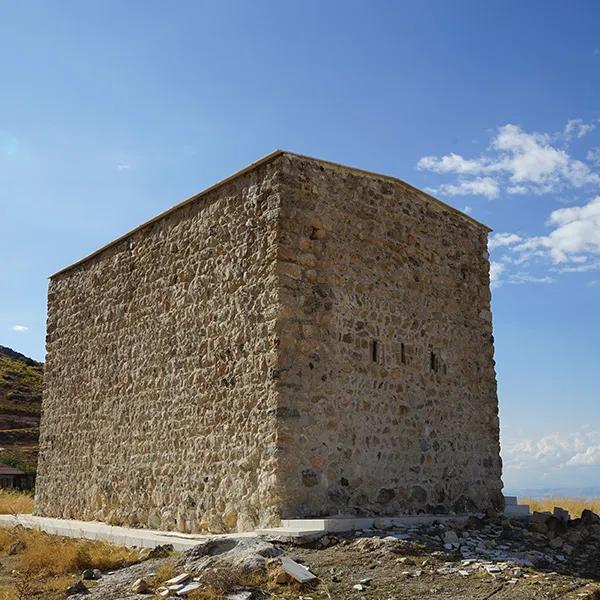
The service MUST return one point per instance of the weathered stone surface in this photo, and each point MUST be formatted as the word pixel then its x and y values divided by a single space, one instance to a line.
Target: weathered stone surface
pixel 386 354
pixel 303 340
pixel 244 554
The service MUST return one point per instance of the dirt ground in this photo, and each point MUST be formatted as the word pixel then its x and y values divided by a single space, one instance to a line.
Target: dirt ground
pixel 492 558
pixel 410 576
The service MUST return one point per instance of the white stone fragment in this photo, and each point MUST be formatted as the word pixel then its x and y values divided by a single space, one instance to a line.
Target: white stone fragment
pixel 188 587
pixel 243 595
pixel 299 572
pixel 177 579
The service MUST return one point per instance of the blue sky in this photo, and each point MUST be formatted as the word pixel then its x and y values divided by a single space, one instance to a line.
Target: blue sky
pixel 113 111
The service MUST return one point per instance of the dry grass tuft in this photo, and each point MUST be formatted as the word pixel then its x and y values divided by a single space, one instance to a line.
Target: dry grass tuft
pixel 273 582
pixel 8 592
pixel 49 555
pixel 165 572
pixel 575 506
pixel 14 502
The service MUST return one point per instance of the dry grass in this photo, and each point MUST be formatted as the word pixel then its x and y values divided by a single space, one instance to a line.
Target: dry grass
pixel 272 582
pixel 165 572
pixel 49 555
pixel 575 506
pixel 14 502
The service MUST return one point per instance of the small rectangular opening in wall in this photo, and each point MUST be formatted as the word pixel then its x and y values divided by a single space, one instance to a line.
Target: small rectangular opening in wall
pixel 402 354
pixel 374 351
pixel 433 361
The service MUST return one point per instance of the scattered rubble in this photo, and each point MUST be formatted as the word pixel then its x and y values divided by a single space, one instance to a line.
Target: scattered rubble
pixel 541 556
pixel 16 547
pixel 76 588
pixel 140 586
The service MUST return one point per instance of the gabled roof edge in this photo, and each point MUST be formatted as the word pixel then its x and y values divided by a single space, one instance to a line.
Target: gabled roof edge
pixel 261 161
pixel 391 178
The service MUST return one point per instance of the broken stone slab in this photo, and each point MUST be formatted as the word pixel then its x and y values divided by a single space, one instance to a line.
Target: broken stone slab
pixel 297 571
pixel 188 587
pixel 178 579
pixel 242 595
pixel 446 570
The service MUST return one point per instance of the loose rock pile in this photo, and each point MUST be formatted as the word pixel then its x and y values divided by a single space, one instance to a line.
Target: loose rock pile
pixel 507 551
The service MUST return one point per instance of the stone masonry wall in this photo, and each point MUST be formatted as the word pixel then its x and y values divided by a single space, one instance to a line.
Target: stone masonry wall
pixel 302 340
pixel 388 389
pixel 158 407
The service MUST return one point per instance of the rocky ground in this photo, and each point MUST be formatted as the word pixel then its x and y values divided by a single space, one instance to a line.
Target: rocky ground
pixel 545 557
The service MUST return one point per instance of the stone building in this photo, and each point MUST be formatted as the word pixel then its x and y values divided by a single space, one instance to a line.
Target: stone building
pixel 300 339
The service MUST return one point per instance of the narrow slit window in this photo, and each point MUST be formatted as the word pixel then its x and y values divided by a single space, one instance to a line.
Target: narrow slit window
pixel 433 361
pixel 374 351
pixel 402 354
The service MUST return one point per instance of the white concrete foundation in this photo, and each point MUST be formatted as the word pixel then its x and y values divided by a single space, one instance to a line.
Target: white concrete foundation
pixel 121 536
pixel 296 528
pixel 290 528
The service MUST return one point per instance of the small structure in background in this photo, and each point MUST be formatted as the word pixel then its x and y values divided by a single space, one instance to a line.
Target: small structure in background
pixel 11 478
pixel 513 509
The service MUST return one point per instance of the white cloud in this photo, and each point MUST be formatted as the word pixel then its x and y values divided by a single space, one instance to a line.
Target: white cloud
pixel 529 158
pixel 451 163
pixel 503 239
pixel 593 156
pixel 516 189
pixel 590 456
pixel 481 186
pixel 19 328
pixel 123 167
pixel 575 237
pixel 577 128
pixel 520 278
pixel 516 161
pixel 553 453
pixel 496 270
pixel 468 209
pixel 585 267
pixel 573 246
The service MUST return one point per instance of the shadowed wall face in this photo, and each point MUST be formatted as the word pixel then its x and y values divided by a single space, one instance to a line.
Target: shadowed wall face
pixel 303 340
pixel 388 371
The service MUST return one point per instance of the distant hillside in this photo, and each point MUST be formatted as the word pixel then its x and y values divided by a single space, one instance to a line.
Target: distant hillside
pixel 21 384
